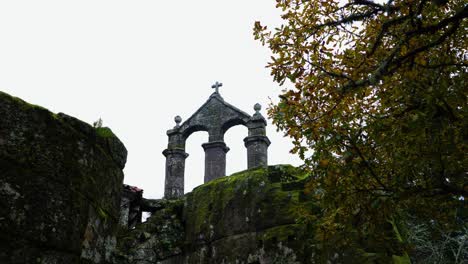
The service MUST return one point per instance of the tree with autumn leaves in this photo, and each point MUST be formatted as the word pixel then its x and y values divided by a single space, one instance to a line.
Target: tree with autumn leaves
pixel 375 102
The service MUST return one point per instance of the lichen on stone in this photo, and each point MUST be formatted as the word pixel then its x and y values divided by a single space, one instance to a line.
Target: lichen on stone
pixel 66 182
pixel 248 217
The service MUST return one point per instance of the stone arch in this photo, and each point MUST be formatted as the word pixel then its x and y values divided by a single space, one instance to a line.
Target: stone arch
pixel 192 129
pixel 234 122
pixel 195 162
pixel 236 158
pixel 215 116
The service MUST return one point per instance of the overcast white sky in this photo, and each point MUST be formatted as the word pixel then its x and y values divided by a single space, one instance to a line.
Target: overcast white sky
pixel 137 64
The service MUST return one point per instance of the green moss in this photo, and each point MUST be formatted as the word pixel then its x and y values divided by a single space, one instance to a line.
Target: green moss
pixel 282 233
pixel 104 132
pixel 62 169
pixel 102 214
pixel 163 232
pixel 234 215
pixel 243 173
pixel 25 105
pixel 285 173
pixel 401 259
pixel 257 195
pixel 208 202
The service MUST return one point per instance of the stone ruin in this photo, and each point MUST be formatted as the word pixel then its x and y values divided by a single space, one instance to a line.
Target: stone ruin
pixel 215 116
pixel 130 206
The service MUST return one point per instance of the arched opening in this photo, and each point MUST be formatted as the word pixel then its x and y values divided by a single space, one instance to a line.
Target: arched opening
pixel 217 117
pixel 234 122
pixel 195 163
pixel 236 158
pixel 188 131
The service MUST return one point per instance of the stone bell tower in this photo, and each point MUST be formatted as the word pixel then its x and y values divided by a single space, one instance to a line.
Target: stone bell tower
pixel 215 116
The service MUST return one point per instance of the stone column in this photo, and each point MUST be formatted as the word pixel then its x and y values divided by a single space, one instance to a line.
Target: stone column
pixel 215 160
pixel 257 142
pixel 257 151
pixel 175 168
pixel 175 163
pixel 124 211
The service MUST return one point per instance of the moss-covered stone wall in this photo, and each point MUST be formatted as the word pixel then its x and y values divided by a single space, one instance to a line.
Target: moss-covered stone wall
pixel 249 217
pixel 60 185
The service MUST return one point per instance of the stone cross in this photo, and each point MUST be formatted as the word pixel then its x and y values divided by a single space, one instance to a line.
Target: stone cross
pixel 216 86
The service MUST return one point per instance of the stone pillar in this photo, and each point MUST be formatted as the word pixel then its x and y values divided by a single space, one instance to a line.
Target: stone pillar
pixel 130 206
pixel 215 160
pixel 124 211
pixel 175 168
pixel 257 151
pixel 257 142
pixel 175 162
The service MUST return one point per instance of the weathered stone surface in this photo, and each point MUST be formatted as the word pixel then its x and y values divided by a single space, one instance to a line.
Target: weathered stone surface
pixel 215 160
pixel 60 186
pixel 152 205
pixel 130 206
pixel 175 170
pixel 257 142
pixel 215 116
pixel 257 154
pixel 161 237
pixel 249 217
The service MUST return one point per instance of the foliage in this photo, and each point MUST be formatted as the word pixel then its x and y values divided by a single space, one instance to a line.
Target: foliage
pixel 435 245
pixel 97 123
pixel 377 111
pixel 104 132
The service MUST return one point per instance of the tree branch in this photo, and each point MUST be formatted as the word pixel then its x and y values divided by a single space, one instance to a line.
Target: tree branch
pixel 443 23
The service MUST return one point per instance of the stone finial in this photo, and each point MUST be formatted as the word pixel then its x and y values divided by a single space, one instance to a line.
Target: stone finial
pixel 216 86
pixel 178 119
pixel 257 115
pixel 257 108
pixel 257 142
